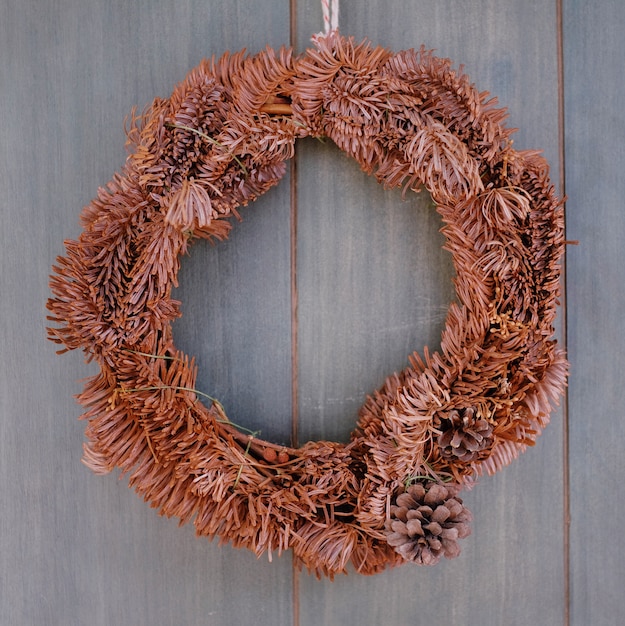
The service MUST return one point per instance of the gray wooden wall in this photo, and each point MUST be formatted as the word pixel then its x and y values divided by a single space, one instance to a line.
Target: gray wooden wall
pixel 373 285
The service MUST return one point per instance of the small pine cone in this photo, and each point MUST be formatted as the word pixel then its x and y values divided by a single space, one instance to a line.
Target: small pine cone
pixel 426 523
pixel 463 436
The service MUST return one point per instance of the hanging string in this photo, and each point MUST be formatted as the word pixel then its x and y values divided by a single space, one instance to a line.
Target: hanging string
pixel 330 10
pixel 330 15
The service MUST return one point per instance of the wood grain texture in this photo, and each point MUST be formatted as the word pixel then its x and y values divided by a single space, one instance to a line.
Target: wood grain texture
pixel 236 306
pixel 595 156
pixel 373 283
pixel 372 288
pixel 77 548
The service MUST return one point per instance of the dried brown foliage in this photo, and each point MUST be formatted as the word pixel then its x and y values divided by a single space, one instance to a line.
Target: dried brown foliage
pixel 221 140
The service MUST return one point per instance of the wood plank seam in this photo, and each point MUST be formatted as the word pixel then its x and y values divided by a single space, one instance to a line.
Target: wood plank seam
pixel 295 573
pixel 565 416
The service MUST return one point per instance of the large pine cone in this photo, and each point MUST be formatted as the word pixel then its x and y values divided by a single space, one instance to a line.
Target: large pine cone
pixel 463 436
pixel 426 523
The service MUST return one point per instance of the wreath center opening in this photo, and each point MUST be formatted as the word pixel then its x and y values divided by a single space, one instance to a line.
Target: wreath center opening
pixel 373 285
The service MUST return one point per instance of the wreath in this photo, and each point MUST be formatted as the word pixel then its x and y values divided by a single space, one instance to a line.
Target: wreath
pixel 222 139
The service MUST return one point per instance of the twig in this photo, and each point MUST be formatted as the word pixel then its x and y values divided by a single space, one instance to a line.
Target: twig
pixel 224 420
pixel 247 449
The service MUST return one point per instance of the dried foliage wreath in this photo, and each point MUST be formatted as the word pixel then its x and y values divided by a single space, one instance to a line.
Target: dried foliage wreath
pixel 221 140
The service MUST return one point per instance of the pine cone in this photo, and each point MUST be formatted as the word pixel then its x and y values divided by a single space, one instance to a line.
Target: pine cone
pixel 463 436
pixel 426 523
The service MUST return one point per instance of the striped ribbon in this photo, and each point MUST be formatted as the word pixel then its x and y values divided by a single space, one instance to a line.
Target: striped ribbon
pixel 330 15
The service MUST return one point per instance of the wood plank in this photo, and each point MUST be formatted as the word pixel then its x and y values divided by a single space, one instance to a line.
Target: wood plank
pixel 76 548
pixel 364 307
pixel 369 290
pixel 236 316
pixel 595 157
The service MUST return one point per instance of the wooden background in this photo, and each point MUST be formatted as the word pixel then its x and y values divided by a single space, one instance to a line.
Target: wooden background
pixel 372 285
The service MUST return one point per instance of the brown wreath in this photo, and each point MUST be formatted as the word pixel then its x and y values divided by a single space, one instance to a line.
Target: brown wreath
pixel 221 140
